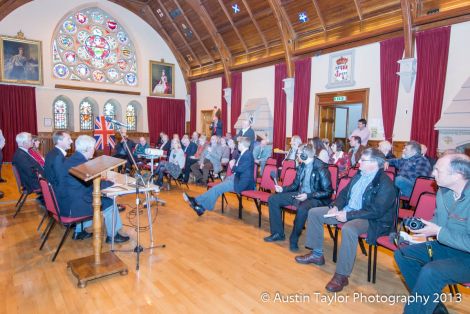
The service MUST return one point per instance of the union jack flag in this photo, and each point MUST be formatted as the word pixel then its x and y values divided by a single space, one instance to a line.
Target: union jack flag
pixel 104 133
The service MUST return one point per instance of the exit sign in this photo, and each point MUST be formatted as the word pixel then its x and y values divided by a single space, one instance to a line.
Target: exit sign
pixel 340 98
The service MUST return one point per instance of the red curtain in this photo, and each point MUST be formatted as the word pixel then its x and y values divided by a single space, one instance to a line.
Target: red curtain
pixel 224 107
pixel 279 124
pixel 236 106
pixel 301 97
pixel 390 52
pixel 432 48
pixel 165 114
pixel 193 113
pixel 17 114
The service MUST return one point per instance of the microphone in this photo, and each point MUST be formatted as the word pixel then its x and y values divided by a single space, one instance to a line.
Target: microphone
pixel 274 176
pixel 116 122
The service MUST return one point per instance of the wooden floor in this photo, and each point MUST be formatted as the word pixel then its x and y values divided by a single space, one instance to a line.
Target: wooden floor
pixel 211 264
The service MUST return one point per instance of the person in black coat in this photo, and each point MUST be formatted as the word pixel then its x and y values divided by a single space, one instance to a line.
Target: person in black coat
pixel 28 168
pixel 366 205
pixel 311 188
pixel 56 157
pixel 76 196
pixel 216 126
pixel 241 180
pixel 165 145
pixel 248 132
pixel 189 149
pixel 121 151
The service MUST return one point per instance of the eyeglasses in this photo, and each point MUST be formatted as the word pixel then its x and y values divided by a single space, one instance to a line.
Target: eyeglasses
pixel 362 160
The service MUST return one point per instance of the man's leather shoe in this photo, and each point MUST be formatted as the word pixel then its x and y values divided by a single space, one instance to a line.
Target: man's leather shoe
pixel 310 259
pixel 337 283
pixel 121 207
pixel 275 237
pixel 82 235
pixel 118 238
pixel 440 309
pixel 198 209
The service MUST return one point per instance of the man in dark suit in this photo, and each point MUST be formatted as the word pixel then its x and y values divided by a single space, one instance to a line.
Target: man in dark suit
pixel 189 148
pixel 76 197
pixel 241 180
pixel 27 166
pixel 166 144
pixel 247 131
pixel 56 157
pixel 121 151
pixel 216 126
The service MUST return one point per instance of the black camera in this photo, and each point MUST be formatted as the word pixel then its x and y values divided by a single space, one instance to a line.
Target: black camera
pixel 413 223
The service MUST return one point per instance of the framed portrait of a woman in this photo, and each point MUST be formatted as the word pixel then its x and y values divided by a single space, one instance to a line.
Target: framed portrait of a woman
pixel 162 79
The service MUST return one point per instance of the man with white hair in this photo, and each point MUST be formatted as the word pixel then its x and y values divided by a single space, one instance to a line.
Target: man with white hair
pixel 27 166
pixel 76 197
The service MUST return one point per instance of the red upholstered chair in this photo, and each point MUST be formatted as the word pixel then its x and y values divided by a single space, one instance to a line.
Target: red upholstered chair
pixel 422 185
pixel 390 174
pixel 392 169
pixel 286 165
pixel 334 176
pixel 266 186
pixel 271 161
pixel 54 213
pixel 352 171
pixel 343 182
pixel 22 190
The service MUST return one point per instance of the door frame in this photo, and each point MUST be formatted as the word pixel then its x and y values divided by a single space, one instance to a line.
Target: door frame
pixel 203 112
pixel 353 96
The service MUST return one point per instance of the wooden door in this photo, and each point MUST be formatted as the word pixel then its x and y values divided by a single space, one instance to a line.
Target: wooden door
pixel 206 120
pixel 327 122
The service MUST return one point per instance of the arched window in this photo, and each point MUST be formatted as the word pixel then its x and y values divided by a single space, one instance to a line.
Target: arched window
pixel 90 45
pixel 109 110
pixel 88 111
pixel 131 117
pixel 62 116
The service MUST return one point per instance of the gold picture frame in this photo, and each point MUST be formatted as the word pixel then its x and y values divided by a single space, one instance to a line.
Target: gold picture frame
pixel 162 79
pixel 20 60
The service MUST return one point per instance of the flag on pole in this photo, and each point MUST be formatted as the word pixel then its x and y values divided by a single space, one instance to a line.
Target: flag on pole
pixel 104 133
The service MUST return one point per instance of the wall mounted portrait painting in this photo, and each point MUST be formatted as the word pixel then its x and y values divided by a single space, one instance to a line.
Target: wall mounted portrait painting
pixel 20 60
pixel 162 79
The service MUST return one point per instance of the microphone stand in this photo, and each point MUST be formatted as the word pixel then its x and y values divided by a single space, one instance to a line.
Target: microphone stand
pixel 139 180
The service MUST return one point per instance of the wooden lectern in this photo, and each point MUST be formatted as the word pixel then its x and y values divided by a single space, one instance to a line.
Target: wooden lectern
pixel 99 264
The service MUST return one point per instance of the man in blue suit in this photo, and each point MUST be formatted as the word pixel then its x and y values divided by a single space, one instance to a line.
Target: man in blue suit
pixel 76 196
pixel 247 131
pixel 27 166
pixel 56 157
pixel 241 180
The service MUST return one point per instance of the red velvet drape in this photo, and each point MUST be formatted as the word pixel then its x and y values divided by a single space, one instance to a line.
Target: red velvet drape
pixel 301 97
pixel 432 48
pixel 279 124
pixel 193 113
pixel 17 114
pixel 165 114
pixel 223 118
pixel 236 106
pixel 391 51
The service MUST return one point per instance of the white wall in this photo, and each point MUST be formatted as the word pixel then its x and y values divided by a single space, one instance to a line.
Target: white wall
pixel 148 44
pixel 209 95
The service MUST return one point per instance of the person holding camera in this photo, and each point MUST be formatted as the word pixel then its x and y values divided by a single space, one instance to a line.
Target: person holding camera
pixel 311 188
pixel 428 267
pixel 366 204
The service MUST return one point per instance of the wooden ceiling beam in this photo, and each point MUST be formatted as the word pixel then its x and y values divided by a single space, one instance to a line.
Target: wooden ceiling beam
pixel 253 19
pixel 408 32
pixel 233 25
pixel 358 9
pixel 9 6
pixel 320 15
pixel 194 31
pixel 287 34
pixel 224 52
pixel 185 41
pixel 185 68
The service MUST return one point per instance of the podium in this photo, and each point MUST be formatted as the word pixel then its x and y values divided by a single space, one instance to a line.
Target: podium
pixel 99 264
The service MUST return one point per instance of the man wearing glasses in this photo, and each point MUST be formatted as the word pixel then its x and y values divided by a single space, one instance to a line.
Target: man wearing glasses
pixel 366 204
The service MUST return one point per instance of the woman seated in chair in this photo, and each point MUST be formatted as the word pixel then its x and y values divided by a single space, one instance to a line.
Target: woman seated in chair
pixel 340 158
pixel 35 153
pixel 173 166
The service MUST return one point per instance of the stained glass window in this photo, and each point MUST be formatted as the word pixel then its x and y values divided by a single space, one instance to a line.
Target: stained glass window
pixel 86 115
pixel 90 45
pixel 131 117
pixel 61 115
pixel 110 110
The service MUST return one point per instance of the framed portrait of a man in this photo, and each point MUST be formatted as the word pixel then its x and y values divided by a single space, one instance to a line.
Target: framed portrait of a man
pixel 162 81
pixel 20 60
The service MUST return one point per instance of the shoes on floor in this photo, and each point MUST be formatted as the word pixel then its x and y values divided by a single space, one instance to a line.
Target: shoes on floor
pixel 275 237
pixel 118 238
pixel 310 259
pixel 82 235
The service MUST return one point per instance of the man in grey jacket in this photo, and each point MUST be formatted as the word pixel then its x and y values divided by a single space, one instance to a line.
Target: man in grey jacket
pixel 428 267
pixel 210 160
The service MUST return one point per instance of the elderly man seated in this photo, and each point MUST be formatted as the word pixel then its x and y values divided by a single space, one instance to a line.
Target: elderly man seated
pixel 410 166
pixel 261 153
pixel 210 159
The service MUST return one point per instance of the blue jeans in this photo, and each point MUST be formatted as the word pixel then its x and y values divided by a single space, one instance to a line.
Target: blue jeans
pixel 426 277
pixel 108 221
pixel 405 185
pixel 208 199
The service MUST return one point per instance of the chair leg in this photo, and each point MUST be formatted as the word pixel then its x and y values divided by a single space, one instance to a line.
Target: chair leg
pixel 240 207
pixel 66 233
pixel 363 248
pixel 42 220
pixel 223 201
pixel 20 203
pixel 258 207
pixel 330 231
pixel 374 270
pixel 47 233
pixel 49 224
pixel 369 264
pixel 335 244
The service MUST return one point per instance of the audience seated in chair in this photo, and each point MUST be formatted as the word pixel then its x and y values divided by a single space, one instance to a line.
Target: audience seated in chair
pixel 311 188
pixel 261 153
pixel 201 146
pixel 210 159
pixel 225 151
pixel 173 166
pixel 120 150
pixel 428 267
pixel 165 144
pixel 189 149
pixel 410 166
pixel 320 149
pixel 365 205
pixel 76 199
pixel 140 148
pixel 295 142
pixel 241 180
pixel 34 151
pixel 356 150
pixel 386 148
pixel 56 157
pixel 340 158
pixel 247 131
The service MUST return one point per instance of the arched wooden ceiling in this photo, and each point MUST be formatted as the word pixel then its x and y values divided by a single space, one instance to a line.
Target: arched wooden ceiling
pixel 209 38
